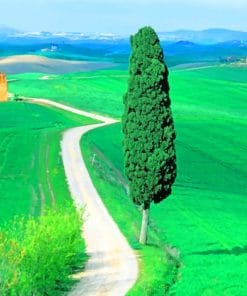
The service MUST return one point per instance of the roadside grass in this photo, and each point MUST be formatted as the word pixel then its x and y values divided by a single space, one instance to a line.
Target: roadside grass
pixel 40 241
pixel 38 255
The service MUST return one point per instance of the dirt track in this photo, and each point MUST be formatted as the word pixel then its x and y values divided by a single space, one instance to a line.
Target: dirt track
pixel 112 267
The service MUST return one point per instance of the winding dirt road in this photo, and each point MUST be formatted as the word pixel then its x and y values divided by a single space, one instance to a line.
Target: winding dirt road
pixel 112 268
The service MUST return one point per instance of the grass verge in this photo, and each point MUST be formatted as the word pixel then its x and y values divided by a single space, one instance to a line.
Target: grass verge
pixel 157 268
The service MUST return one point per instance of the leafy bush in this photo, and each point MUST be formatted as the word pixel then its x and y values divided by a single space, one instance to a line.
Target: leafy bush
pixel 38 255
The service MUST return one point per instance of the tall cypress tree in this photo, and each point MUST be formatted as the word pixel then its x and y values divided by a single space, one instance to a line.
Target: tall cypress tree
pixel 148 128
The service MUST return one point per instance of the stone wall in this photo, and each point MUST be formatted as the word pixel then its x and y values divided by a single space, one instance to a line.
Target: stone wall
pixel 3 88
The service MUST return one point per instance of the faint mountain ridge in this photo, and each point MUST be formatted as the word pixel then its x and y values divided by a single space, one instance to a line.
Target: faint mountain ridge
pixel 209 36
pixel 184 43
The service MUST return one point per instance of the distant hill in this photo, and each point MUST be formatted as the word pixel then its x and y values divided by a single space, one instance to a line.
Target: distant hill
pixel 210 36
pixel 39 64
pixel 180 47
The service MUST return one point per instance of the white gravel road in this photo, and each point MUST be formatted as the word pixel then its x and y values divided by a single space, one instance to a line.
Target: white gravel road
pixel 112 268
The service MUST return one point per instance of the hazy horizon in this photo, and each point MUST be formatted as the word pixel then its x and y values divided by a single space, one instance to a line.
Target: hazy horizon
pixel 123 16
pixel 109 32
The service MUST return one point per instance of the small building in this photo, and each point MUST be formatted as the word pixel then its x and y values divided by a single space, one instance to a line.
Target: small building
pixel 3 88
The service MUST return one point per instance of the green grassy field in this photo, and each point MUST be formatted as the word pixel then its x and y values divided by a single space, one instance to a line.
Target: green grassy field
pixel 232 73
pixel 92 91
pixel 205 218
pixel 31 169
pixel 102 91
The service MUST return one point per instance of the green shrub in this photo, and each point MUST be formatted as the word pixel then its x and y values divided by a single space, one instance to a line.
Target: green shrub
pixel 38 255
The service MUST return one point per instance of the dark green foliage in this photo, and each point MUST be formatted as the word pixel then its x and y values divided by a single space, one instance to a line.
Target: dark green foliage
pixel 150 160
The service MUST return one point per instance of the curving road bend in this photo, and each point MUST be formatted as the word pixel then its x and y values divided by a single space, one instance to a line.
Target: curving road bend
pixel 112 268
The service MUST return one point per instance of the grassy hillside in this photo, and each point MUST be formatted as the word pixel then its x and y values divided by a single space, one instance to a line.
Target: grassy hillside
pixel 232 73
pixel 102 91
pixel 31 169
pixel 205 218
pixel 99 91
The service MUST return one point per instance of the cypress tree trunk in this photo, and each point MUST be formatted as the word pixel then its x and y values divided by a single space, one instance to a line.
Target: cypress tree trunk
pixel 144 227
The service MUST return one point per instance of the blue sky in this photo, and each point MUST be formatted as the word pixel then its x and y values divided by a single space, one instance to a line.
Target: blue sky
pixel 123 16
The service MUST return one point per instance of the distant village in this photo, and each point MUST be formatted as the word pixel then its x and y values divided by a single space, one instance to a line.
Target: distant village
pixel 234 59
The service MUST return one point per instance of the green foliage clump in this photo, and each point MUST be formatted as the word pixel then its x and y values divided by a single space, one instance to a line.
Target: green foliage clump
pixel 150 160
pixel 38 255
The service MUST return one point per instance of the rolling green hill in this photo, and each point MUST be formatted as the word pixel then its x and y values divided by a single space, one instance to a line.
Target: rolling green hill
pixel 31 169
pixel 99 91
